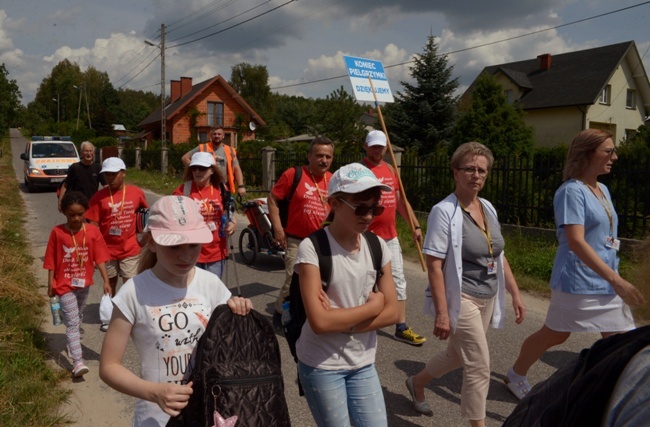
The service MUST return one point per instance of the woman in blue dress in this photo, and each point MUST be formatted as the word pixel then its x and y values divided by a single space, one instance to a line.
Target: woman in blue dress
pixel 587 293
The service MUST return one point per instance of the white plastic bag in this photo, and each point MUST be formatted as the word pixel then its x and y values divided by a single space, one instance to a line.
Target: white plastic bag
pixel 105 309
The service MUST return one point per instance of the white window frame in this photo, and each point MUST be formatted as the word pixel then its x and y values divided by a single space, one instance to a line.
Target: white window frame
pixel 605 95
pixel 630 99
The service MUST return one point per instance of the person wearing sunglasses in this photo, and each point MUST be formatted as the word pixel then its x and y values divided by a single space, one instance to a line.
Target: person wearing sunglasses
pixel 337 346
pixel 385 226
pixel 206 183
pixel 587 293
pixel 468 277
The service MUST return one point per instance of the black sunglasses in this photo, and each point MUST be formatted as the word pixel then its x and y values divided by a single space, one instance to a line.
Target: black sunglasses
pixel 199 168
pixel 362 210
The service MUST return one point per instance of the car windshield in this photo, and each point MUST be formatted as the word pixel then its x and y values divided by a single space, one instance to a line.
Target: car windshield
pixel 53 149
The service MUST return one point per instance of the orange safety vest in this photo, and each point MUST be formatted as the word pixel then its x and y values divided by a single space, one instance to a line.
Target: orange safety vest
pixel 230 153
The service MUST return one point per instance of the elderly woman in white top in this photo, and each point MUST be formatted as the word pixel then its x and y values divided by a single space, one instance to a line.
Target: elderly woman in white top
pixel 468 276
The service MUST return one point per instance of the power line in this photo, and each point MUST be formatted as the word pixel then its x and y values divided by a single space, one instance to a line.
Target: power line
pixel 481 45
pixel 236 25
pixel 140 72
pixel 204 12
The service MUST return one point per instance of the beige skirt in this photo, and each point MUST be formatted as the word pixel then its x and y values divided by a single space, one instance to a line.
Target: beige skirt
pixel 588 313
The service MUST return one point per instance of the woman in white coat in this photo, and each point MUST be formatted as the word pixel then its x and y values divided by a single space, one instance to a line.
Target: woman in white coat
pixel 468 276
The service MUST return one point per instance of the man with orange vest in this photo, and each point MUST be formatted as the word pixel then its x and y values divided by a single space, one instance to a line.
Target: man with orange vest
pixel 225 156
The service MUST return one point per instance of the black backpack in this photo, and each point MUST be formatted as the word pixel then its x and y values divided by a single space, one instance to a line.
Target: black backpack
pixel 293 328
pixel 237 371
pixel 283 205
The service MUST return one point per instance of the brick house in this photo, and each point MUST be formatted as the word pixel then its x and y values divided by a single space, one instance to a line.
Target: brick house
pixel 604 88
pixel 194 109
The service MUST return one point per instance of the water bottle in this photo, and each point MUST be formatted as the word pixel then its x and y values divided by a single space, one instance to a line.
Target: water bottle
pixel 55 306
pixel 286 314
pixel 224 224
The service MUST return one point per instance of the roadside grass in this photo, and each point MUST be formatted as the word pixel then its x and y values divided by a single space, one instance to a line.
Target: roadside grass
pixel 30 390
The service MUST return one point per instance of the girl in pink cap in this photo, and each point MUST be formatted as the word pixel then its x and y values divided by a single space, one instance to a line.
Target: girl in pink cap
pixel 165 309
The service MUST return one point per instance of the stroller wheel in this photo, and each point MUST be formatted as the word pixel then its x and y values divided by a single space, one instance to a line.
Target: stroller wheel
pixel 248 246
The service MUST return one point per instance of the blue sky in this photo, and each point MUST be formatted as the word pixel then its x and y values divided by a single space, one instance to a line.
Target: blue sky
pixel 300 41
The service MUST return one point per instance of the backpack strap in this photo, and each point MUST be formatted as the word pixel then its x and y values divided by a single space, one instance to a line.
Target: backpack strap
pixel 323 251
pixel 296 179
pixel 376 253
pixel 187 188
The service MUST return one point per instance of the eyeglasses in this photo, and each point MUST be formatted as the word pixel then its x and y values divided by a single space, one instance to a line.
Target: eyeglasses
pixel 199 168
pixel 610 152
pixel 471 170
pixel 362 210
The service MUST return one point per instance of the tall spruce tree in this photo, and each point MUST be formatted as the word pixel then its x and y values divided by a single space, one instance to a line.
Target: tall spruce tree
pixel 490 120
pixel 423 115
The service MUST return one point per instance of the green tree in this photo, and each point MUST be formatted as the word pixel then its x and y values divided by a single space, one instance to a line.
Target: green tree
pixel 490 120
pixel 9 99
pixel 339 118
pixel 423 115
pixel 134 106
pixel 252 83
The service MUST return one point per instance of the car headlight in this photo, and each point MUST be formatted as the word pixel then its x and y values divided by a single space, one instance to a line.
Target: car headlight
pixel 35 171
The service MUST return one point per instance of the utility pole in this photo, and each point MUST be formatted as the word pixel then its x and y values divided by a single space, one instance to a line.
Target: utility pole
pixel 79 107
pixel 87 106
pixel 58 109
pixel 163 115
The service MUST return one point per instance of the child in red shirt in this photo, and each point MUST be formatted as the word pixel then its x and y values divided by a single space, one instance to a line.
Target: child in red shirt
pixel 73 250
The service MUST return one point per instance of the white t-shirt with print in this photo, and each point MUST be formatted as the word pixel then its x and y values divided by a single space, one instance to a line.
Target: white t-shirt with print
pixel 167 324
pixel 353 277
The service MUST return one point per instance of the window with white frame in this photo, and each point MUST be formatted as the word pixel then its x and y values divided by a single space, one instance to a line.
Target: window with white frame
pixel 630 99
pixel 215 114
pixel 510 96
pixel 605 95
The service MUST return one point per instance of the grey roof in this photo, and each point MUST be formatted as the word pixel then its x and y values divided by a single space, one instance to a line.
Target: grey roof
pixel 575 78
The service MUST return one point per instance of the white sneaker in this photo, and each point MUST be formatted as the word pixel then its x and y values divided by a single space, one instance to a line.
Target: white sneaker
pixel 518 387
pixel 80 370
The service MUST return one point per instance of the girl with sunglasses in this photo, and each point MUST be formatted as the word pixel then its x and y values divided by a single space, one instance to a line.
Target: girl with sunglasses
pixel 336 349
pixel 205 183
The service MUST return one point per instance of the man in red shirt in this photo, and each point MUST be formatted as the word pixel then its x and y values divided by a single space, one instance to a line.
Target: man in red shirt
pixel 307 209
pixel 113 209
pixel 384 226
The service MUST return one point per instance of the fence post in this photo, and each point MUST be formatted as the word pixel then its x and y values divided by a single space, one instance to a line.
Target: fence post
pixel 138 158
pixel 119 152
pixel 268 168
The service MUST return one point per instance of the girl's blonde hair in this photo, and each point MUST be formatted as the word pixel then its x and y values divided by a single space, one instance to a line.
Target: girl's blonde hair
pixel 147 258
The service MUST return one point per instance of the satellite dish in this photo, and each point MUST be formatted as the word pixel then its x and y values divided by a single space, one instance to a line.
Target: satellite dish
pixel 252 126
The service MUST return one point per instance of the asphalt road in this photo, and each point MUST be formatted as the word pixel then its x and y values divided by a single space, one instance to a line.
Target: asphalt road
pixel 261 282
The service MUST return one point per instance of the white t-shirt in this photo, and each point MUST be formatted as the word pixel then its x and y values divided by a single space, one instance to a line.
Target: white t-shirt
pixel 167 324
pixel 353 277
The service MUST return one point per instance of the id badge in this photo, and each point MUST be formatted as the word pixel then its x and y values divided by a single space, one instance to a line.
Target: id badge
pixel 78 282
pixel 491 266
pixel 115 231
pixel 211 225
pixel 613 243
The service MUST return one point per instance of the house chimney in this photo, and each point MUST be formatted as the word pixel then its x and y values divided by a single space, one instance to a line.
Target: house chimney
pixel 186 85
pixel 544 62
pixel 176 90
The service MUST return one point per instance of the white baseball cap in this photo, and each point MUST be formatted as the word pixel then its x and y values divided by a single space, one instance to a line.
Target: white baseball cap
pixel 113 164
pixel 354 178
pixel 177 220
pixel 376 137
pixel 202 158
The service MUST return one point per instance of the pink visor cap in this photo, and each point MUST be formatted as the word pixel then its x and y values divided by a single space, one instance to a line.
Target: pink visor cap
pixel 177 220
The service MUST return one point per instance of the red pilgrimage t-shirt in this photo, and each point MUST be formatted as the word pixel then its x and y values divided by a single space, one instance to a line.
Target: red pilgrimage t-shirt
pixel 116 216
pixel 384 225
pixel 74 261
pixel 308 207
pixel 211 205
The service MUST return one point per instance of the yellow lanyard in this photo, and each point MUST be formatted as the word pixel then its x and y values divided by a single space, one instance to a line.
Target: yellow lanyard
pixel 123 196
pixel 486 232
pixel 320 195
pixel 606 206
pixel 206 205
pixel 80 257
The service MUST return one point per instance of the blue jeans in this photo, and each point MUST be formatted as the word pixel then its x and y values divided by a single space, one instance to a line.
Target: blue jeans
pixel 336 396
pixel 215 267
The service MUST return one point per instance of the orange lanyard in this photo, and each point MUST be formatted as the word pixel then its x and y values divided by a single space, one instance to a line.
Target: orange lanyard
pixel 123 196
pixel 206 205
pixel 486 232
pixel 320 195
pixel 80 257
